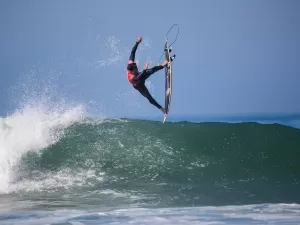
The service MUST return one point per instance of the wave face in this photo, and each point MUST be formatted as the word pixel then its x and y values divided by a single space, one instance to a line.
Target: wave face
pixel 139 162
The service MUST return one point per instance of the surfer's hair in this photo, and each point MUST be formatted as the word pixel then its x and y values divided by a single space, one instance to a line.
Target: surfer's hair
pixel 131 66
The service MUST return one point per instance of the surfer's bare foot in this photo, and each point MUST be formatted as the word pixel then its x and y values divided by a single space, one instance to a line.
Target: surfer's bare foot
pixel 165 63
pixel 163 110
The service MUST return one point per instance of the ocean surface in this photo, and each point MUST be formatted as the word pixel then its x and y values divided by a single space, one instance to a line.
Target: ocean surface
pixel 64 168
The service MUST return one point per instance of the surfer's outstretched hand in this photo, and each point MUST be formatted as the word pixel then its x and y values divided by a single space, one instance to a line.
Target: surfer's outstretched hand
pixel 139 39
pixel 146 66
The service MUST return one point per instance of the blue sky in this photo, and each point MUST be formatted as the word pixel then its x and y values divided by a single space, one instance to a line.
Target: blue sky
pixel 233 57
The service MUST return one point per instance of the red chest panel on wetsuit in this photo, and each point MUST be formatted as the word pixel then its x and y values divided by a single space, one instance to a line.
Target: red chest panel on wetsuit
pixel 130 77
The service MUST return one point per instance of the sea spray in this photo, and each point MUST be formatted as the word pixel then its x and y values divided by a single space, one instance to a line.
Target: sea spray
pixel 31 130
pixel 116 54
pixel 39 117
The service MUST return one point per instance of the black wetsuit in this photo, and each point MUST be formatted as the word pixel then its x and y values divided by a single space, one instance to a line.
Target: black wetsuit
pixel 141 78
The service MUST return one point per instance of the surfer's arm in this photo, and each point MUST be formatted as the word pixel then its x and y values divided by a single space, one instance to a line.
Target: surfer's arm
pixel 132 54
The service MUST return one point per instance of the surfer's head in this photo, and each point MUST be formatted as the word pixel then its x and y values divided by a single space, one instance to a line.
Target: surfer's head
pixel 132 67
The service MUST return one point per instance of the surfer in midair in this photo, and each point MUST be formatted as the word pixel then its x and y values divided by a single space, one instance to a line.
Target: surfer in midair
pixel 137 78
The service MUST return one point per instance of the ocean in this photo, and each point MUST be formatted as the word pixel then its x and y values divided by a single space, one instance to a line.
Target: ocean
pixel 66 168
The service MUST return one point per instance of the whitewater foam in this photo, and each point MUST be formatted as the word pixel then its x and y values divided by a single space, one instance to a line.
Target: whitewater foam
pixel 55 181
pixel 31 129
pixel 248 214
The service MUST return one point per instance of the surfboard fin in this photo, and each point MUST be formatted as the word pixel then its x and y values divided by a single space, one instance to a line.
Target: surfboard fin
pixel 173 57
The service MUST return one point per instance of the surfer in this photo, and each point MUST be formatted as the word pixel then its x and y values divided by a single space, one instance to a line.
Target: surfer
pixel 137 79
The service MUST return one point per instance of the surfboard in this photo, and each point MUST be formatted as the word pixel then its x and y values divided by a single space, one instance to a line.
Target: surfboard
pixel 168 71
pixel 168 81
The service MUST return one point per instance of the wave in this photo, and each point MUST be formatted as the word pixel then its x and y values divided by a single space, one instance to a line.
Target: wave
pixel 194 163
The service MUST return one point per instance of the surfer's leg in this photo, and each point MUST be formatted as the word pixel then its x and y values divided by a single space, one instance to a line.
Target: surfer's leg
pixel 144 91
pixel 142 76
pixel 147 73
